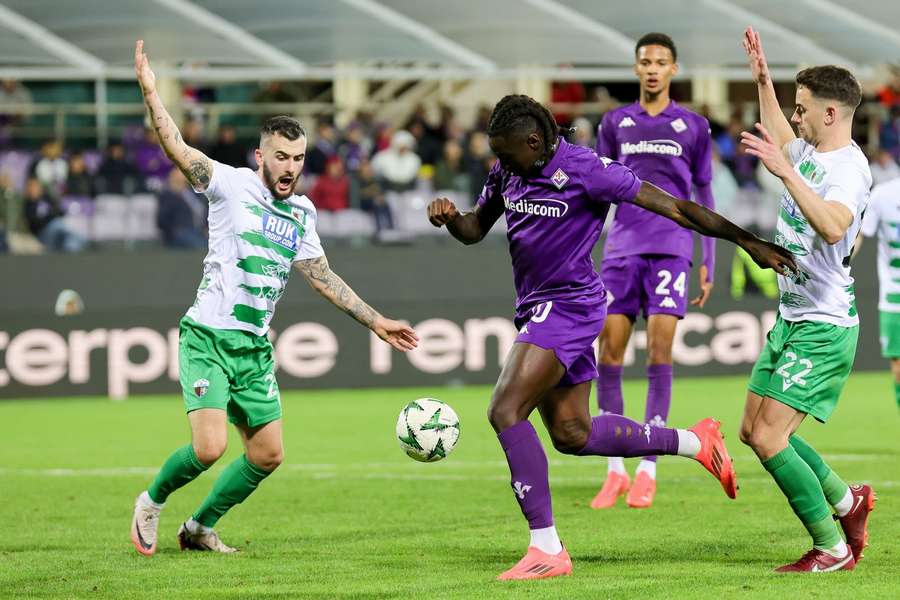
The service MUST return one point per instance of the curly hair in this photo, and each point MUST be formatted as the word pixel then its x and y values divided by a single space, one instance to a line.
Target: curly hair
pixel 520 113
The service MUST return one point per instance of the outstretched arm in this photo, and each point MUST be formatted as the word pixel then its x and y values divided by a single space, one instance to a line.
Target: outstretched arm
pixel 469 227
pixel 195 165
pixel 770 112
pixel 325 281
pixel 702 220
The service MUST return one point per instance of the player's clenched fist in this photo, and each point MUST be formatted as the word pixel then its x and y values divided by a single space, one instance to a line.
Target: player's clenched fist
pixel 441 212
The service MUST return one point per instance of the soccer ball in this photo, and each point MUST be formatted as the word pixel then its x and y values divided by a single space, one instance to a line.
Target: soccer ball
pixel 427 429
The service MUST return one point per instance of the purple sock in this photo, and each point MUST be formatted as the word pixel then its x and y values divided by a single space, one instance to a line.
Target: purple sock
pixel 609 390
pixel 615 435
pixel 659 397
pixel 528 469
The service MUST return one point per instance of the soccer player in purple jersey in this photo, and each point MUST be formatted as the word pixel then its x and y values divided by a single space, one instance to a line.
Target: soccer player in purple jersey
pixel 555 197
pixel 647 258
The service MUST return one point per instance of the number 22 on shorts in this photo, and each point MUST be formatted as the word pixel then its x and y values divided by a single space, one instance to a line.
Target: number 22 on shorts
pixel 797 378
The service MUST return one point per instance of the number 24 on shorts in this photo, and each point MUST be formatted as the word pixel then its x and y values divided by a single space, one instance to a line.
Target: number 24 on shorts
pixel 789 379
pixel 665 277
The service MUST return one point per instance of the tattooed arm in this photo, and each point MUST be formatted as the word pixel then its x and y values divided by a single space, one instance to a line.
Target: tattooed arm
pixel 195 165
pixel 325 281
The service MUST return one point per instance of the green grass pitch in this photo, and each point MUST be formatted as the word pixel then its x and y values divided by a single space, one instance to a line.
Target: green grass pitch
pixel 350 516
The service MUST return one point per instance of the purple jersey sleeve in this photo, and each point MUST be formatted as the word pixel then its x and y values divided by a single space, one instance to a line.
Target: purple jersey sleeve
pixel 701 165
pixel 493 188
pixel 606 138
pixel 611 181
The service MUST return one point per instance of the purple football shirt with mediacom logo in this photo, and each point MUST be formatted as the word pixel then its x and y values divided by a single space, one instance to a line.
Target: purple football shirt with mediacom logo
pixel 554 220
pixel 672 151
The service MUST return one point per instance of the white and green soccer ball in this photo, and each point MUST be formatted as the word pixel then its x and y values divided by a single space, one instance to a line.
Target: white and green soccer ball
pixel 427 429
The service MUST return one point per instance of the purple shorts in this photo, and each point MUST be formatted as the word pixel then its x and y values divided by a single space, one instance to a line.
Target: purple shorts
pixel 651 284
pixel 569 328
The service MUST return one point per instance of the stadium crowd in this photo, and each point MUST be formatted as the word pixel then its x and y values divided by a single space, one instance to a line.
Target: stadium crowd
pixel 56 199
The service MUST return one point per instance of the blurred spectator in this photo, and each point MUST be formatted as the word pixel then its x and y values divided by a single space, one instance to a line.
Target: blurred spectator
pixel 45 219
pixel 724 187
pixel 566 92
pixel 715 128
pixel 450 173
pixel 427 142
pixel 398 166
pixel 79 182
pixel 194 136
pixel 10 211
pixel 274 92
pixel 331 191
pixel 369 195
pixel 478 162
pixel 151 162
pixel 11 92
pixel 889 95
pixel 889 132
pixel 482 118
pixel 51 169
pixel 884 167
pixel 227 150
pixel 324 147
pixel 583 134
pixel 181 216
pixel 355 148
pixel 116 175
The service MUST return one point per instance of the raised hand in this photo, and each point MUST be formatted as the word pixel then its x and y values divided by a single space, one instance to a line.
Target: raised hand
pixel 441 212
pixel 770 256
pixel 396 333
pixel 766 150
pixel 145 76
pixel 759 68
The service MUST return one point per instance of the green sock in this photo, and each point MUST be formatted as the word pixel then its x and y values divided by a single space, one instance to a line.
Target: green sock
pixel 833 486
pixel 236 482
pixel 804 493
pixel 179 469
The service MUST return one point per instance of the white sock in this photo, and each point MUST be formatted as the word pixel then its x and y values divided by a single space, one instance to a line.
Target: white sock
pixel 146 500
pixel 846 503
pixel 648 467
pixel 838 551
pixel 688 443
pixel 615 464
pixel 196 528
pixel 546 540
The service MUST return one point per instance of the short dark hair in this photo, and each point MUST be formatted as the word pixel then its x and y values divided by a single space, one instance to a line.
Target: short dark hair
pixel 285 126
pixel 829 82
pixel 521 113
pixel 656 39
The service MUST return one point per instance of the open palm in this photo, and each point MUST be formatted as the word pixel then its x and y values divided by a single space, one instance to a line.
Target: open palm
pixel 145 75
pixel 759 68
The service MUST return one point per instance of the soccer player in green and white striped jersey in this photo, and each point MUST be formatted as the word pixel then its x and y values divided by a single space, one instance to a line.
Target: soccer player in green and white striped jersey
pixel 883 219
pixel 258 229
pixel 809 353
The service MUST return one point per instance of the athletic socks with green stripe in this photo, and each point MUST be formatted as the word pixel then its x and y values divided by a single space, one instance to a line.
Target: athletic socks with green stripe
pixel 805 494
pixel 236 482
pixel 179 469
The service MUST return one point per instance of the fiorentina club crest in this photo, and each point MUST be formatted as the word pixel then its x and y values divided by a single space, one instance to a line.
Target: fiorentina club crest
pixel 201 386
pixel 679 125
pixel 559 179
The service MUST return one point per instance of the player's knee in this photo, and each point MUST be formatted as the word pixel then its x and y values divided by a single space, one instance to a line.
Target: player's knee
pixel 268 460
pixel 659 355
pixel 209 451
pixel 744 434
pixel 765 443
pixel 501 416
pixel 612 357
pixel 569 437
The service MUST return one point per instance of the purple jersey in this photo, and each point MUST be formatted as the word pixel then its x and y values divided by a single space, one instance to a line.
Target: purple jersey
pixel 554 220
pixel 672 151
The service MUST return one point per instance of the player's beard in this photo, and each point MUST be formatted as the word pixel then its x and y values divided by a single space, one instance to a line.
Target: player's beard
pixel 272 183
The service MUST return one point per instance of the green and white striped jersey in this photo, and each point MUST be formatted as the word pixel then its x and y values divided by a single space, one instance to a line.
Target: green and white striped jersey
pixel 822 290
pixel 253 241
pixel 883 217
